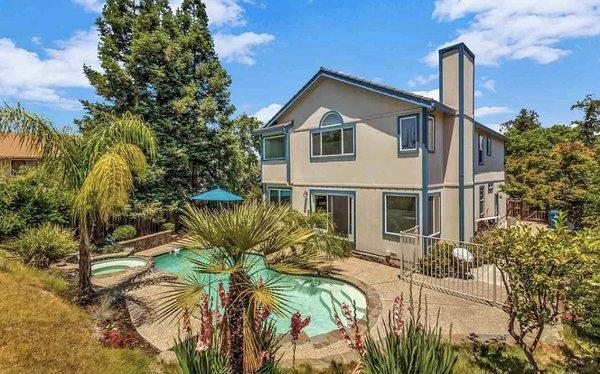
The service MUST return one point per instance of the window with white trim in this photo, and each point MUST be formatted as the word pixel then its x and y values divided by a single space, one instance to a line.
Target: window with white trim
pixel 407 133
pixel 431 134
pixel 274 147
pixel 497 204
pixel 480 141
pixel 331 119
pixel 433 214
pixel 488 146
pixel 335 142
pixel 399 213
pixel 280 195
pixel 481 201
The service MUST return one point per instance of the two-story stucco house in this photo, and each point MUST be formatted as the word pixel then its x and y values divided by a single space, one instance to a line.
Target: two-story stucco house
pixel 383 161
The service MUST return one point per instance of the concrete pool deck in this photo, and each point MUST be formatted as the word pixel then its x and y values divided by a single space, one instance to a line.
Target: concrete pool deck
pixel 465 316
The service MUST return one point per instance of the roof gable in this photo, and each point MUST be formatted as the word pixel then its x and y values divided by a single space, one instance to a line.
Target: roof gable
pixel 364 84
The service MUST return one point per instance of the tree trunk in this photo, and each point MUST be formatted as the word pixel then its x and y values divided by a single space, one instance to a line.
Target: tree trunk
pixel 235 321
pixel 85 290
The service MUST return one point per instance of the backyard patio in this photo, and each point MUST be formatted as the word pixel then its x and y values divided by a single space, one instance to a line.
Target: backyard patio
pixel 379 282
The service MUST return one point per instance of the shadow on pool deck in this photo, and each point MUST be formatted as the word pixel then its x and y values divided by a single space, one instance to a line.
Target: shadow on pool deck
pixel 465 316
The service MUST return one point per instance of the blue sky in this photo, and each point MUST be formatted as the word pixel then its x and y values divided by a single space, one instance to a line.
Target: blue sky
pixel 542 55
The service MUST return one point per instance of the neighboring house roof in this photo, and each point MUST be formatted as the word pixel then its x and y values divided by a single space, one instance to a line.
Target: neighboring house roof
pixel 365 84
pixel 490 131
pixel 11 147
pixel 371 86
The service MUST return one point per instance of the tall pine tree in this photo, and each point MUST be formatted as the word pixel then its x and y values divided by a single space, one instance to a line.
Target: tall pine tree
pixel 162 65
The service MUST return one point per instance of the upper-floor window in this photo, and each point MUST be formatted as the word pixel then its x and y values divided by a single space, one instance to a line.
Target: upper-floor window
pixel 331 119
pixel 333 138
pixel 488 146
pixel 335 142
pixel 480 141
pixel 431 134
pixel 274 147
pixel 407 133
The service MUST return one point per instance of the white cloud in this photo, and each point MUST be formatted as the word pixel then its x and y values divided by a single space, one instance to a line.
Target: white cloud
pixel 518 29
pixel 25 75
pixel 230 47
pixel 489 84
pixel 420 80
pixel 37 40
pixel 220 12
pixel 239 48
pixel 478 93
pixel 266 113
pixel 90 5
pixel 433 94
pixel 491 110
pixel 224 12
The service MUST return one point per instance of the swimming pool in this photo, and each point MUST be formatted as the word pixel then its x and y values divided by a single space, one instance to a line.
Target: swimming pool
pixel 115 265
pixel 309 295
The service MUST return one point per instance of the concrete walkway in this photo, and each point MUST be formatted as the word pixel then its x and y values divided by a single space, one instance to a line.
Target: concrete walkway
pixel 465 316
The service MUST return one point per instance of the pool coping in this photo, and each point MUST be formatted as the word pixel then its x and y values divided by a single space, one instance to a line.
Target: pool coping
pixel 374 305
pixel 123 275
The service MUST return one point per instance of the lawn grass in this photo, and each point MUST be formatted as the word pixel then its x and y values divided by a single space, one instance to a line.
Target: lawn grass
pixel 42 332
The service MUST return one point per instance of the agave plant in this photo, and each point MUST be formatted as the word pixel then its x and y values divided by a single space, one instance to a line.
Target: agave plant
pixel 229 241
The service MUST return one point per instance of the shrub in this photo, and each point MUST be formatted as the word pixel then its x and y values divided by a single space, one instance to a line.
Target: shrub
pixel 540 269
pixel 124 232
pixel 32 198
pixel 440 262
pixel 41 246
pixel 168 226
pixel 411 346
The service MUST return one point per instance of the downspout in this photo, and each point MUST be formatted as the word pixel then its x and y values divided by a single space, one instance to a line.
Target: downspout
pixel 424 177
pixel 461 145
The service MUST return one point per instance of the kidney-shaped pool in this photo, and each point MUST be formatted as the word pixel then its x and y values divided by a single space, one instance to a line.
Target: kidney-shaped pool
pixel 311 296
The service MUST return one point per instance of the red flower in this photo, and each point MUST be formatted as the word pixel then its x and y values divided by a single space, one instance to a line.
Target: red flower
pixel 398 323
pixel 223 295
pixel 205 334
pixel 260 317
pixel 297 324
pixel 185 322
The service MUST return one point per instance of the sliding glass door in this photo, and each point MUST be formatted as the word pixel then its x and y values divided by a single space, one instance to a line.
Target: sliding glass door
pixel 341 209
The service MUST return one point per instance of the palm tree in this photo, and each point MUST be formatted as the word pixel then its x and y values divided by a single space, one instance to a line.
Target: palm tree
pixel 98 165
pixel 229 240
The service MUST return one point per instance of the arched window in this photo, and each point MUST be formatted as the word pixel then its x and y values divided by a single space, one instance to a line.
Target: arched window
pixel 331 119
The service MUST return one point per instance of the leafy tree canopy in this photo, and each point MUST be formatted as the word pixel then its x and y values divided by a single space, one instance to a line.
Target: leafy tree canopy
pixel 555 167
pixel 161 64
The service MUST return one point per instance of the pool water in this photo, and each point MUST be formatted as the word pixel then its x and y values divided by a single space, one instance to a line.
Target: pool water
pixel 309 295
pixel 115 265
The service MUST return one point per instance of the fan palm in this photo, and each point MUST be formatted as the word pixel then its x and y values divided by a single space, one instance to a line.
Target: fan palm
pixel 98 166
pixel 230 240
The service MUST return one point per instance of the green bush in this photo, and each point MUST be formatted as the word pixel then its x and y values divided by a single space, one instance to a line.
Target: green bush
pixel 41 246
pixel 32 198
pixel 168 226
pixel 411 347
pixel 124 232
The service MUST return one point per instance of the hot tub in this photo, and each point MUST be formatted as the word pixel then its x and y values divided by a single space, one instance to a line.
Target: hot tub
pixel 115 265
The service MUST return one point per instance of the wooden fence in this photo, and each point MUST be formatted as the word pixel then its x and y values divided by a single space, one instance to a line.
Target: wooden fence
pixel 519 209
